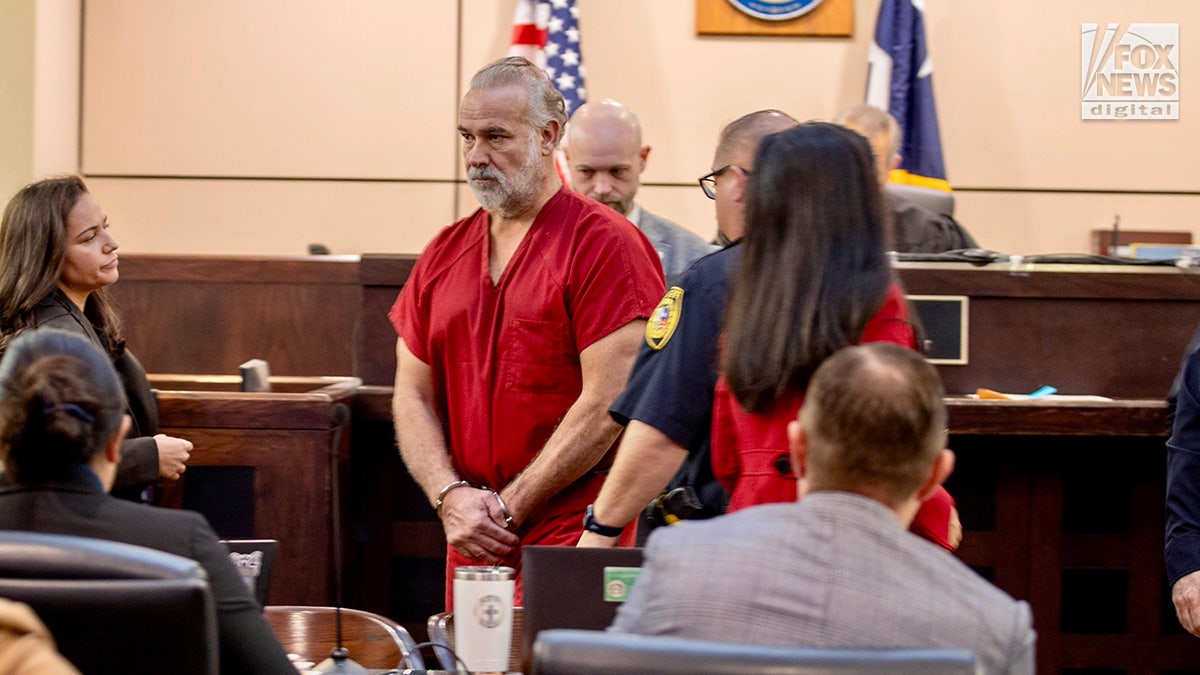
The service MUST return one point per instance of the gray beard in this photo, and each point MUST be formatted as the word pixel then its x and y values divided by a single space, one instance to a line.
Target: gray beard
pixel 510 197
pixel 503 200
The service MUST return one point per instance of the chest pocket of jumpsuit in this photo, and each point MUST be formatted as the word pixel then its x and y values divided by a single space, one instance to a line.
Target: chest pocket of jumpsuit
pixel 538 357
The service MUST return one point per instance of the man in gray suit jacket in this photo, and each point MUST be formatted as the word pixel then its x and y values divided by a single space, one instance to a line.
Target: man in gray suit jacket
pixel 838 568
pixel 606 158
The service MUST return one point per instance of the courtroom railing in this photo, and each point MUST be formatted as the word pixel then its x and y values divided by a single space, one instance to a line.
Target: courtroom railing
pixel 261 468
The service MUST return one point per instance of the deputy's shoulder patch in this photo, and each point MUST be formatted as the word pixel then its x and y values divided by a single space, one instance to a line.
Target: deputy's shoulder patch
pixel 664 318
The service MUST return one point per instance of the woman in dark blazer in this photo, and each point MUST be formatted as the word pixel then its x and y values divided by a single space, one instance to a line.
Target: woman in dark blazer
pixel 62 423
pixel 57 257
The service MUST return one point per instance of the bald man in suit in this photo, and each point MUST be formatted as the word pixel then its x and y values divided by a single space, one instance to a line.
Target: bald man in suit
pixel 606 157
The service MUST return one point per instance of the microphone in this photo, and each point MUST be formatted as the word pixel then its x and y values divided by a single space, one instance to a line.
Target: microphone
pixel 339 660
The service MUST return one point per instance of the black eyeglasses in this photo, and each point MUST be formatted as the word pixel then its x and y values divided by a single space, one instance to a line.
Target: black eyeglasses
pixel 708 182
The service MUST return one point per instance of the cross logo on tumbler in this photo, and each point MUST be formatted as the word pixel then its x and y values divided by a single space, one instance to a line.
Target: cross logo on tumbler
pixel 489 611
pixel 483 601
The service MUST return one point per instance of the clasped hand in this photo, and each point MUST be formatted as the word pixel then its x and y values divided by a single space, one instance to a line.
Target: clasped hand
pixel 475 527
pixel 173 455
pixel 1186 596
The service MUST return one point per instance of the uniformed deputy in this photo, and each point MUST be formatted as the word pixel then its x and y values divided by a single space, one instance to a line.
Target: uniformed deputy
pixel 667 405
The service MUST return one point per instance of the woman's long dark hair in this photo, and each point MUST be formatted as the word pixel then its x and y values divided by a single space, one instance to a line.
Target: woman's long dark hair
pixel 813 270
pixel 61 402
pixel 33 245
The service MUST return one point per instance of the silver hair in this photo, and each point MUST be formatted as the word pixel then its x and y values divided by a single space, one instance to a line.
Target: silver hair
pixel 870 120
pixel 545 102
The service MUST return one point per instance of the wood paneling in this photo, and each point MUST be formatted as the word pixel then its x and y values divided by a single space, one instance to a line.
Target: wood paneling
pixel 381 277
pixel 1062 506
pixel 1054 418
pixel 208 314
pixel 1112 331
pixel 286 441
pixel 1085 329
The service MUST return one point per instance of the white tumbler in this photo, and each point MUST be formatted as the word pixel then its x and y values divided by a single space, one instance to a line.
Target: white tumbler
pixel 483 612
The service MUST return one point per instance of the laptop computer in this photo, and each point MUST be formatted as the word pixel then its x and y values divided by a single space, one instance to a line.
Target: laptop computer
pixel 567 587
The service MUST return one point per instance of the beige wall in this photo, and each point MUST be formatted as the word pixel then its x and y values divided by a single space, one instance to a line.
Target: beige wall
pixel 39 78
pixel 16 103
pixel 56 89
pixel 259 127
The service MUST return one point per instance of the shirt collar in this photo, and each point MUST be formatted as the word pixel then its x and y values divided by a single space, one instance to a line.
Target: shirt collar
pixel 635 214
pixel 77 477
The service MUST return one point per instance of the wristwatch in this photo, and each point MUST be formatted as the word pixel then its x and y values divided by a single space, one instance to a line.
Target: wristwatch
pixel 590 524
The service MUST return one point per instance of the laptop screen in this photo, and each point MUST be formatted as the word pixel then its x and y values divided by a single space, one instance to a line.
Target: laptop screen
pixel 569 587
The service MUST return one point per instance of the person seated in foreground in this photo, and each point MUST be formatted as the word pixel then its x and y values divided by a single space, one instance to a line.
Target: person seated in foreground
pixel 62 423
pixel 915 229
pixel 837 568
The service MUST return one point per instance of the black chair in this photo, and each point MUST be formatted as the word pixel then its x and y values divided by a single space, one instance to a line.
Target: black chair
pixel 938 201
pixel 112 607
pixel 584 652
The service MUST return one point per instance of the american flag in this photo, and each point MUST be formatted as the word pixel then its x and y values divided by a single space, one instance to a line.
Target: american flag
pixel 547 33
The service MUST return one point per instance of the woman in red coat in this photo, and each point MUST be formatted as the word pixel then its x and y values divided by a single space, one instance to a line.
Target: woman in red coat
pixel 814 277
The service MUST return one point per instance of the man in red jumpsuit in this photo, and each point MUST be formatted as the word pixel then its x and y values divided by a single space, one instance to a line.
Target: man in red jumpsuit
pixel 517 329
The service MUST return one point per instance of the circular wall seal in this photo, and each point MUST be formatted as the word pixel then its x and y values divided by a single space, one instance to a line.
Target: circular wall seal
pixel 775 10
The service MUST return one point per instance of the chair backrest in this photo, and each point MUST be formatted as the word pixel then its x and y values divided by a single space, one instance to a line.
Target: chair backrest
pixel 253 559
pixel 938 201
pixel 373 641
pixel 581 652
pixel 114 607
pixel 441 632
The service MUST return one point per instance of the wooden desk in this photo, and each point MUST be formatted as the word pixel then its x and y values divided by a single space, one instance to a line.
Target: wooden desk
pixel 1116 331
pixel 1062 505
pixel 268 454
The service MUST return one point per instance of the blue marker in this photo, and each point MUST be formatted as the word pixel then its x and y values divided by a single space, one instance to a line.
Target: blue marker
pixel 1044 391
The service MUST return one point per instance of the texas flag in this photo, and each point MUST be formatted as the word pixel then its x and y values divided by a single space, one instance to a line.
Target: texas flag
pixel 900 80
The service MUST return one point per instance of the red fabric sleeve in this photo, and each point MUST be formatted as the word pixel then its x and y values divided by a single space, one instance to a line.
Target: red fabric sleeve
pixel 933 519
pixel 891 323
pixel 410 313
pixel 723 446
pixel 616 277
